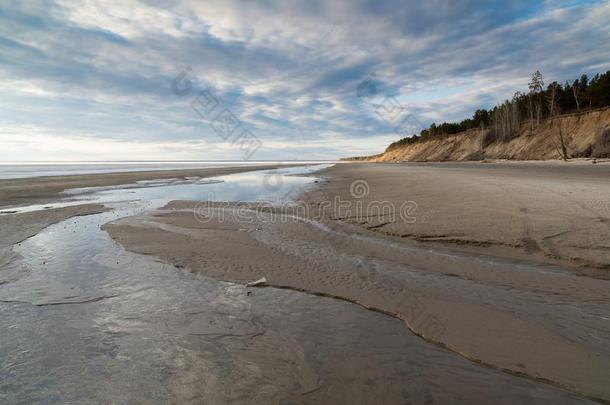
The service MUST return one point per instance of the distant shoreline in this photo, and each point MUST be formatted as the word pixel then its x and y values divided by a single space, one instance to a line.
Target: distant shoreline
pixel 28 190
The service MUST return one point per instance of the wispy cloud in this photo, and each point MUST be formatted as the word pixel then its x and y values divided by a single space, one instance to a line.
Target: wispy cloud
pixel 98 73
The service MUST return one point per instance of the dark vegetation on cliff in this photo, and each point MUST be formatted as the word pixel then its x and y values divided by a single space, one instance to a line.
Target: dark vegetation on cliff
pixel 539 103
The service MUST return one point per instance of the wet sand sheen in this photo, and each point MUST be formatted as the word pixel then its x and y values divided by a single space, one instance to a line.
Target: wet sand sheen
pixel 529 319
pixel 163 335
pixel 477 321
pixel 186 338
pixel 23 191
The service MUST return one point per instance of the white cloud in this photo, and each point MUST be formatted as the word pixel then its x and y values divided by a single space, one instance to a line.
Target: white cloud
pixel 100 72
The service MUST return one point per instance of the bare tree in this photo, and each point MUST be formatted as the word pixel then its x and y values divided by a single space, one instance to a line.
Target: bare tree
pixel 576 87
pixel 506 119
pixel 558 140
pixel 551 98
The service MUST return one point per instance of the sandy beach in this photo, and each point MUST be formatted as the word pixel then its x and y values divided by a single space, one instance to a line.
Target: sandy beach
pixel 544 211
pixel 338 202
pixel 503 264
pixel 502 301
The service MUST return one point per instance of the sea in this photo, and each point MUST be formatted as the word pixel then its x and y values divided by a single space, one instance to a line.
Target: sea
pixel 15 170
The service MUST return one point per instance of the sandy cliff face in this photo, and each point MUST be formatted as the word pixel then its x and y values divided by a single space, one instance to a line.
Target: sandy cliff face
pixel 585 135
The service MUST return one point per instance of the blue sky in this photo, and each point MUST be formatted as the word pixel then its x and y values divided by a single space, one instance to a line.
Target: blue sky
pixel 92 80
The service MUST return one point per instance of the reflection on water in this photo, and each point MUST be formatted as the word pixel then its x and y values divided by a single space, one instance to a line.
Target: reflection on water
pixel 36 169
pixel 89 322
pixel 265 185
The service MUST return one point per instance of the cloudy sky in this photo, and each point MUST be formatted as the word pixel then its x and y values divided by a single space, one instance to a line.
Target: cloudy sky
pixel 165 79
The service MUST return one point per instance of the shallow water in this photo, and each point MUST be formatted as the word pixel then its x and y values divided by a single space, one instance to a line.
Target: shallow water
pixel 35 169
pixel 87 321
pixel 274 185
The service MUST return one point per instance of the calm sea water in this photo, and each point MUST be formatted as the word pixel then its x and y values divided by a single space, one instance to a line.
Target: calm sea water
pixel 14 170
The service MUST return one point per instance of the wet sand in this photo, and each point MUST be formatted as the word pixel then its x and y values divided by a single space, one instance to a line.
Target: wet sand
pixel 15 228
pixel 15 192
pixel 159 334
pixel 502 265
pixel 18 227
pixel 546 211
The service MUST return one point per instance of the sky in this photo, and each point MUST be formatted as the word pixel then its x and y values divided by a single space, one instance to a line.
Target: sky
pixel 270 80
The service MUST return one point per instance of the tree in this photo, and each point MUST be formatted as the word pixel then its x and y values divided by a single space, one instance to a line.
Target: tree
pixel 535 86
pixel 537 82
pixel 559 142
pixel 504 120
pixel 480 118
pixel 598 90
pixel 576 89
pixel 566 98
pixel 552 94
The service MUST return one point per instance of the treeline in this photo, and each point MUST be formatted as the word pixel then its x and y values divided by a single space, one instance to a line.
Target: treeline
pixel 539 103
